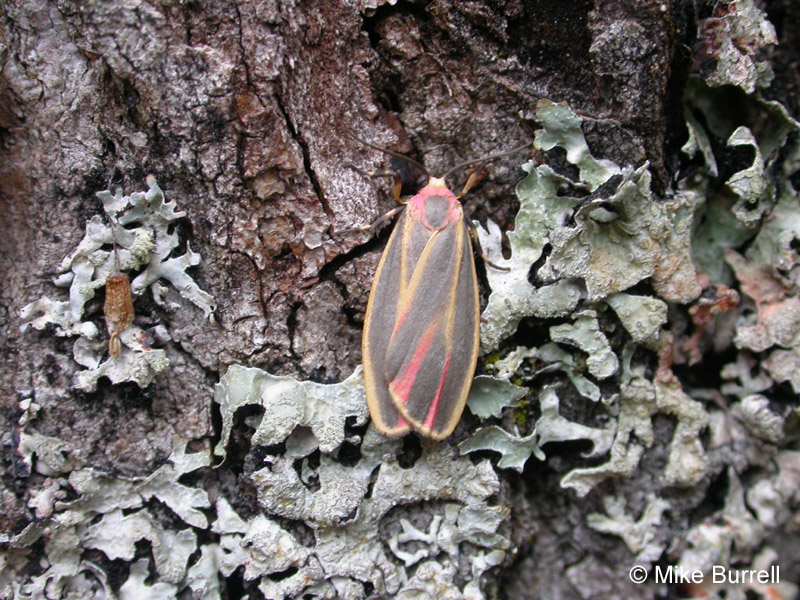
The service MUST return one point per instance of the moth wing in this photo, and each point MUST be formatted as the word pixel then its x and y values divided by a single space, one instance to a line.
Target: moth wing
pixel 431 354
pixel 378 326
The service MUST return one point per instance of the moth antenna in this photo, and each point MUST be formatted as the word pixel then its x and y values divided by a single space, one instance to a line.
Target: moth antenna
pixel 408 159
pixel 482 161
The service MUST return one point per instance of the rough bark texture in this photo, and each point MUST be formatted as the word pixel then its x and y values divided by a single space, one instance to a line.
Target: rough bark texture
pixel 248 114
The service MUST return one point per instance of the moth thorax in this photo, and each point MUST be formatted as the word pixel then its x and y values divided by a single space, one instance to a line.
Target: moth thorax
pixel 437 209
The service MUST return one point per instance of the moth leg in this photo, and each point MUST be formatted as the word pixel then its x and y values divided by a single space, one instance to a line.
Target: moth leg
pixel 472 180
pixel 479 164
pixel 397 184
pixel 473 233
pixel 380 221
pixel 364 173
pixel 377 223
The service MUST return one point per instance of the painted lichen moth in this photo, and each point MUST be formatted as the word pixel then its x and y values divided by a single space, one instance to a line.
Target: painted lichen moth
pixel 421 329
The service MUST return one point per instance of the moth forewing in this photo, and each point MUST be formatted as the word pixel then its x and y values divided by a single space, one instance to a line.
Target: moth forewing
pixel 432 385
pixel 377 333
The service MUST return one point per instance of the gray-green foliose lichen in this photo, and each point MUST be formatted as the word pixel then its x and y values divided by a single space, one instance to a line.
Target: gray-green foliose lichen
pixel 348 509
pixel 433 528
pixel 347 506
pixel 679 246
pixel 134 236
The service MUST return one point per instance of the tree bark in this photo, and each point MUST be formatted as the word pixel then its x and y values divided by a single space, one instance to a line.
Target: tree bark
pixel 251 116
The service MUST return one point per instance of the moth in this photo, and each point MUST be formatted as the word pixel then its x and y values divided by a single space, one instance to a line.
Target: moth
pixel 421 329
